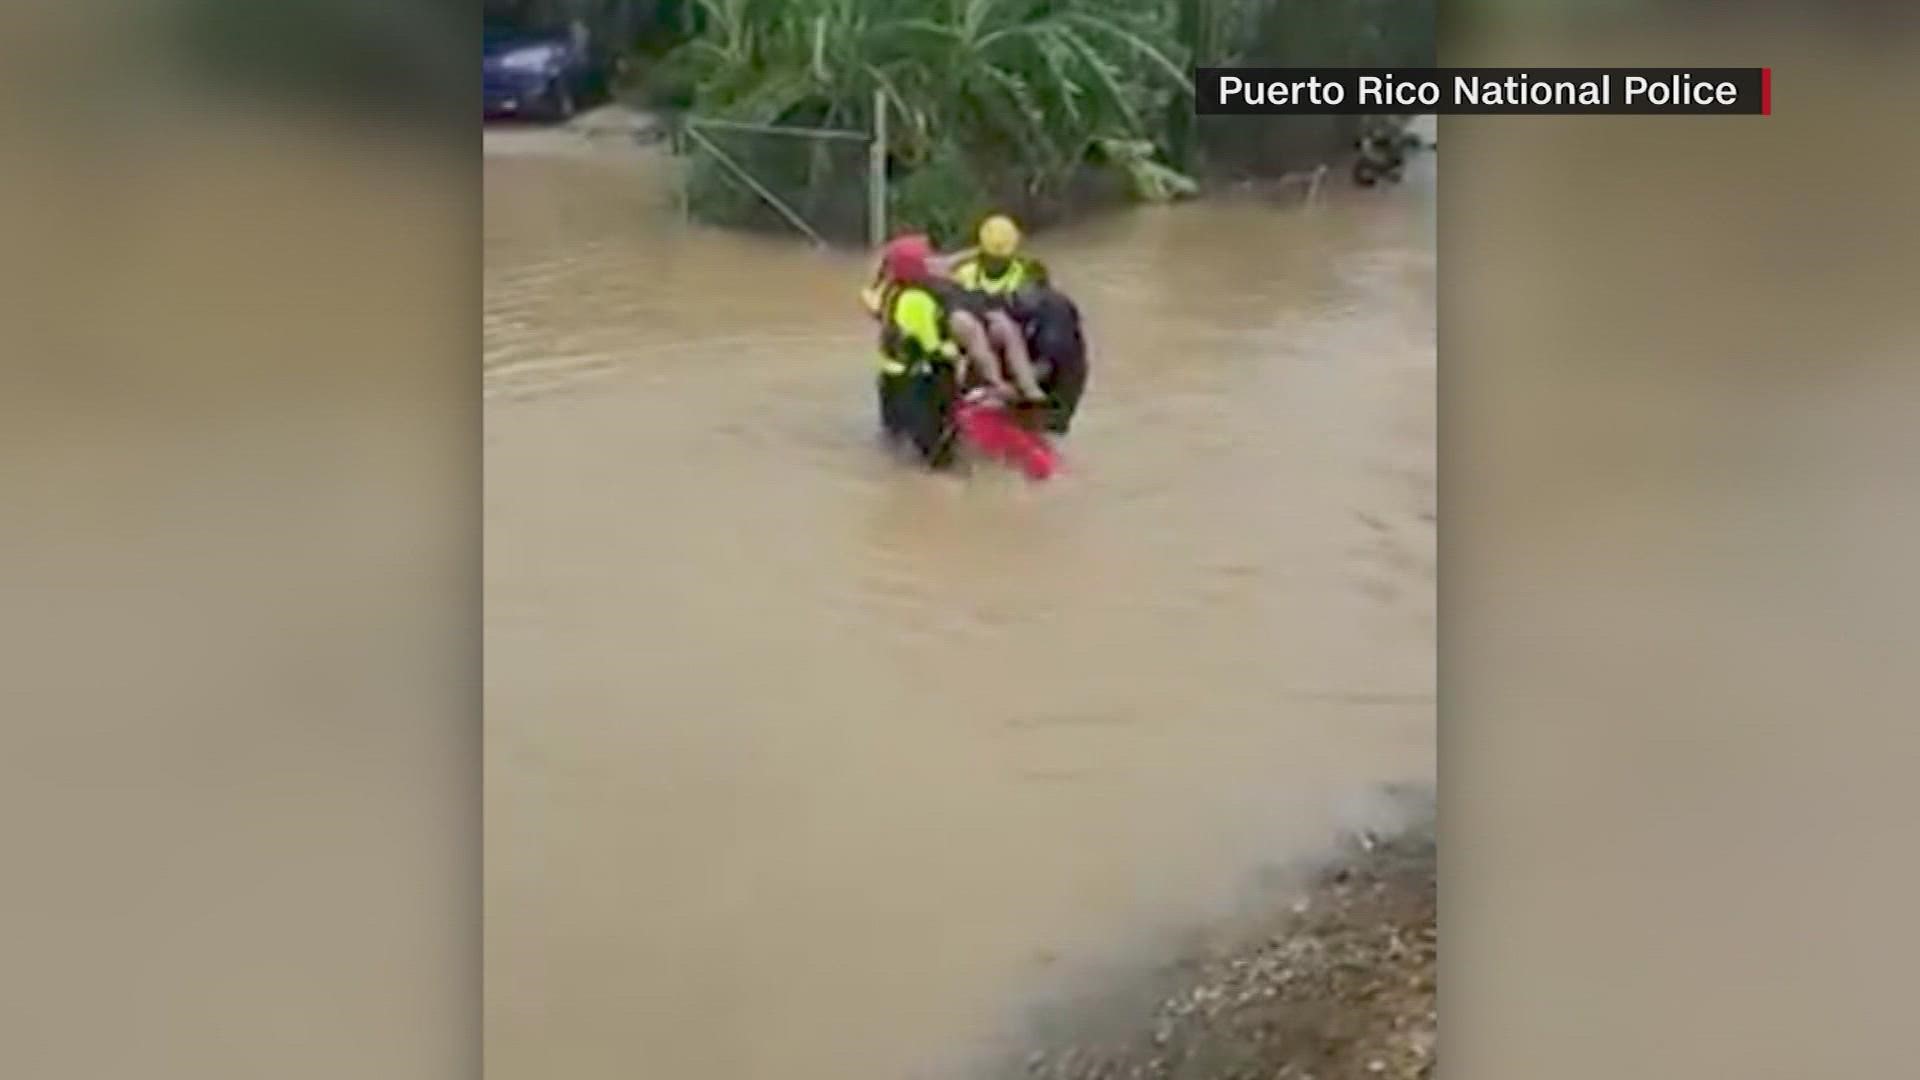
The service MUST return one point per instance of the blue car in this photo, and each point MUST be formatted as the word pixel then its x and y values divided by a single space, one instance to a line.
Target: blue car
pixel 539 73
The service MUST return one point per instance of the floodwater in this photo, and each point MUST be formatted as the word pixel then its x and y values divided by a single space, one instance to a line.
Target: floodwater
pixel 803 764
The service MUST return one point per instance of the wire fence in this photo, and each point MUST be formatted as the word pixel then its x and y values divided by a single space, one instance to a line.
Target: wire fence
pixel 827 184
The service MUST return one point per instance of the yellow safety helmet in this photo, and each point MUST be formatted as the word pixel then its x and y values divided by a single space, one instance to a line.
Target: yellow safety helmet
pixel 999 236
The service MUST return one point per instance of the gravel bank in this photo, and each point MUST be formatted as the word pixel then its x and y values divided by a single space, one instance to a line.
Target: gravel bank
pixel 1339 984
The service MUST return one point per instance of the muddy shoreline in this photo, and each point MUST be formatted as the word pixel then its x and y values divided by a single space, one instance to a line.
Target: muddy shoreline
pixel 1333 979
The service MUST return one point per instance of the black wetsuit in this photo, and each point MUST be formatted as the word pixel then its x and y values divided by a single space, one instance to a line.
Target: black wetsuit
pixel 1051 325
pixel 916 383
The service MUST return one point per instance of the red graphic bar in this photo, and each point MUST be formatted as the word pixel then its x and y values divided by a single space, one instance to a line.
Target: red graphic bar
pixel 1766 91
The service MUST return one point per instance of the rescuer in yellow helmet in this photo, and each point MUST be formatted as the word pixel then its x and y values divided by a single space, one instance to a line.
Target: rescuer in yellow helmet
pixel 995 266
pixel 993 270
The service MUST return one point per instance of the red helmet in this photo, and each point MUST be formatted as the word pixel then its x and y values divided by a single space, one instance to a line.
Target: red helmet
pixel 906 258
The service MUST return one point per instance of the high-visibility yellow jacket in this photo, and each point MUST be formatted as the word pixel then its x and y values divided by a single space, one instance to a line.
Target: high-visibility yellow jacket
pixel 971 273
pixel 913 330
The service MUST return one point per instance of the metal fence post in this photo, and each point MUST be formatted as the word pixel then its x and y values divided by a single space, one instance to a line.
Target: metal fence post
pixel 877 173
pixel 683 168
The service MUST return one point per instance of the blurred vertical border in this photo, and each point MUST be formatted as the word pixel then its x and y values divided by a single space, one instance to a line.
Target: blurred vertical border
pixel 1677 387
pixel 239 391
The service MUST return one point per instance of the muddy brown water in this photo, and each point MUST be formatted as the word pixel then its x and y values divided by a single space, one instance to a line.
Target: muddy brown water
pixel 804 764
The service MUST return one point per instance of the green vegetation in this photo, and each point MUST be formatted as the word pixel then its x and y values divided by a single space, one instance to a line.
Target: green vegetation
pixel 1037 107
pixel 990 102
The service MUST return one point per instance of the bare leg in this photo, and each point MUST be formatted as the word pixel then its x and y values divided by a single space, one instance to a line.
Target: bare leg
pixel 972 337
pixel 1005 333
